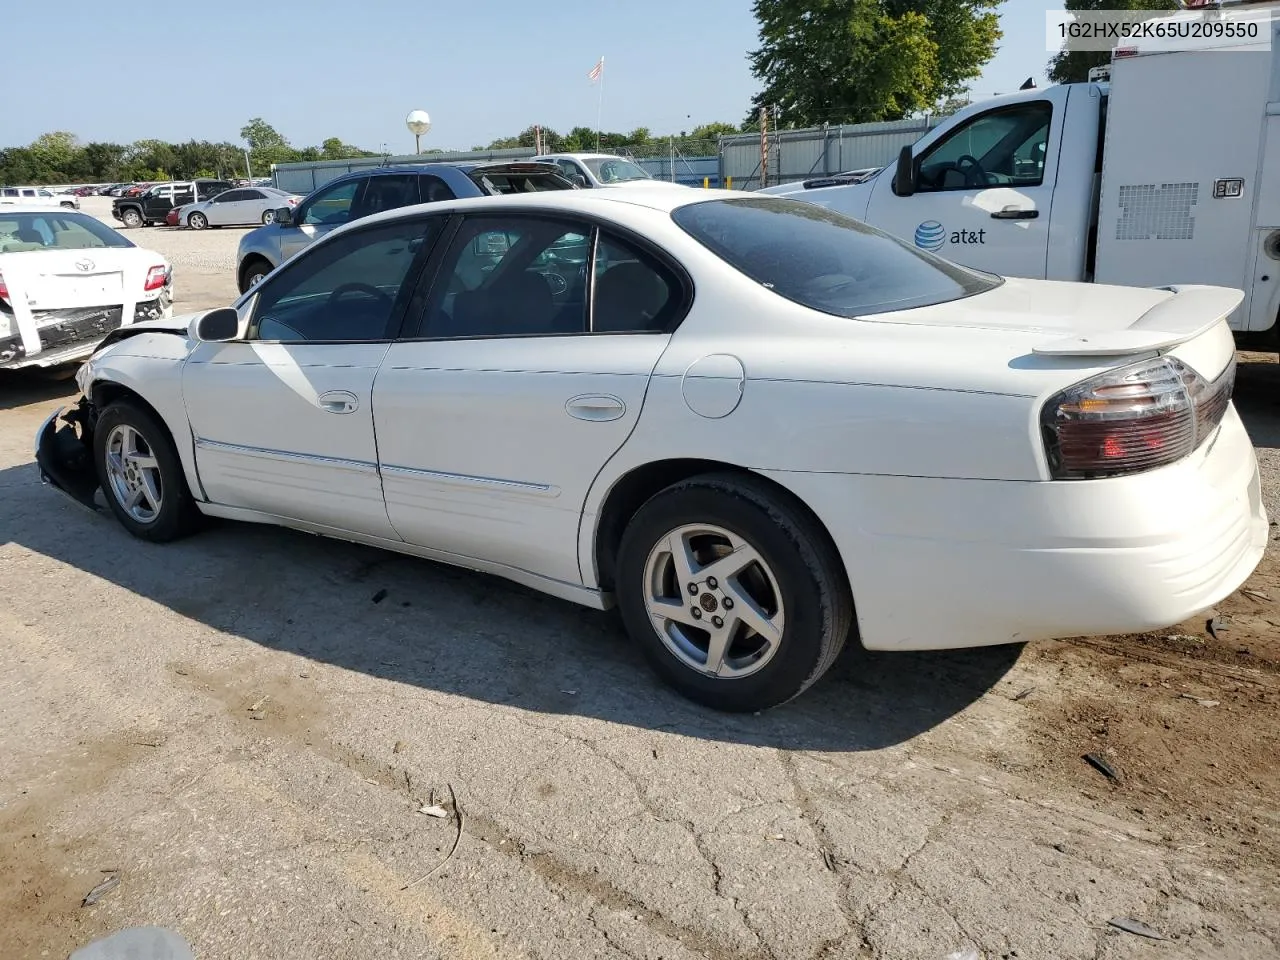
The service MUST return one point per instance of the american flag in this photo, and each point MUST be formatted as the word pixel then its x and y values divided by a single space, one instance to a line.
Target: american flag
pixel 596 71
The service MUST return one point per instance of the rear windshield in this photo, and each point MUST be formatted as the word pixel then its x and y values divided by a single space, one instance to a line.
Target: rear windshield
pixel 55 230
pixel 825 260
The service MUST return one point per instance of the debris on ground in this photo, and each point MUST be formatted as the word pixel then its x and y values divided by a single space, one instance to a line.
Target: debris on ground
pixel 1100 764
pixel 1135 927
pixel 967 953
pixel 434 810
pixel 400 747
pixel 380 596
pixel 828 859
pixel 1256 595
pixel 1214 624
pixel 1023 694
pixel 102 889
pixel 457 838
pixel 1195 699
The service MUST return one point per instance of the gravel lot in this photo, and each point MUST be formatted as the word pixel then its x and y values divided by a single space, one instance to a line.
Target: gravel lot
pixel 246 725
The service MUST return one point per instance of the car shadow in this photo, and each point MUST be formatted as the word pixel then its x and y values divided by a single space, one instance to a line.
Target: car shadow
pixel 449 630
pixel 19 388
pixel 1257 398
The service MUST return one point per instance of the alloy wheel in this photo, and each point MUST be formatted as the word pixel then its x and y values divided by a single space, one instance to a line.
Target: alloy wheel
pixel 713 601
pixel 134 473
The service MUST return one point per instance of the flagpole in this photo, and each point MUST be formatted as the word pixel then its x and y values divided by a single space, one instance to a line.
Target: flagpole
pixel 600 106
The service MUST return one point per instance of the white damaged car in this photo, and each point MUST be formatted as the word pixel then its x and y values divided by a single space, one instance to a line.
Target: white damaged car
pixel 761 428
pixel 66 280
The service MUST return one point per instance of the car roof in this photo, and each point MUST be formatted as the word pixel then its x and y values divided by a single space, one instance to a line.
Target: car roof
pixel 661 199
pixel 583 156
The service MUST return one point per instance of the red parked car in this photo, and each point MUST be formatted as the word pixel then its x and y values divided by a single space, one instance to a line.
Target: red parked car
pixel 171 218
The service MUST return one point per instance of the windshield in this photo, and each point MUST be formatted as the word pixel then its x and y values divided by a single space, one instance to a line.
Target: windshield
pixel 824 260
pixel 34 232
pixel 615 169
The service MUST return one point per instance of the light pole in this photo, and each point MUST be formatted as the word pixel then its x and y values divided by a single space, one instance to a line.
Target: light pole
pixel 418 123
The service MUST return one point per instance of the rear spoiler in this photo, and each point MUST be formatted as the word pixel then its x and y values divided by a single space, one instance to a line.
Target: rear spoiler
pixel 1192 310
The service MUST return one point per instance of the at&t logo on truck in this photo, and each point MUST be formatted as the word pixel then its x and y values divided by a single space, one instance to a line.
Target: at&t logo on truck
pixel 932 236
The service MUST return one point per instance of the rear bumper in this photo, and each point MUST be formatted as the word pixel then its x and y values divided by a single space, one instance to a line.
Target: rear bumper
pixel 67 336
pixel 936 564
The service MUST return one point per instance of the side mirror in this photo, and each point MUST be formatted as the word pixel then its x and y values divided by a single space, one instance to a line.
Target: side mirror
pixel 904 179
pixel 284 216
pixel 215 325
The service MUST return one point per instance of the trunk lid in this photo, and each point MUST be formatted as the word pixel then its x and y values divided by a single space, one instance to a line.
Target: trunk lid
pixel 1063 319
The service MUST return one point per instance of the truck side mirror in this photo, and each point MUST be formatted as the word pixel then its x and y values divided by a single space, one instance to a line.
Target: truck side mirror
pixel 904 179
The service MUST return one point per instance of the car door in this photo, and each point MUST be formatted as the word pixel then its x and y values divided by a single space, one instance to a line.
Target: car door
pixel 225 209
pixel 325 210
pixel 984 192
pixel 522 372
pixel 283 417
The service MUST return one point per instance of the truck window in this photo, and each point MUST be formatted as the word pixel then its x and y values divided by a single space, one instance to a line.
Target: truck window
pixel 1004 147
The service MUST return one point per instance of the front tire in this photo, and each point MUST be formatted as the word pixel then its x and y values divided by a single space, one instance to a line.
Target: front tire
pixel 197 220
pixel 131 217
pixel 733 591
pixel 141 475
pixel 253 273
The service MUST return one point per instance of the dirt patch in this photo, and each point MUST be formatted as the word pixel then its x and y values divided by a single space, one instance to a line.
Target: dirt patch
pixel 46 876
pixel 1189 719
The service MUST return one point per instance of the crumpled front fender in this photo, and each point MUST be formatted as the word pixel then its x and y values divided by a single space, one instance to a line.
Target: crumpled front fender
pixel 64 454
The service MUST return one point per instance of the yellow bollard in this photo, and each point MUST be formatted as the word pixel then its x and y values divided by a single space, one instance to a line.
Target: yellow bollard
pixel 706 183
pixel 728 183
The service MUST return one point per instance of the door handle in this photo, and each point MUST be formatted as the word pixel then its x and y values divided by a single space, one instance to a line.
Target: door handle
pixel 1013 213
pixel 601 407
pixel 338 401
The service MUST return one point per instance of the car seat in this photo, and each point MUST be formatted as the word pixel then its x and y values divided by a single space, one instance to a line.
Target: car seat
pixel 629 296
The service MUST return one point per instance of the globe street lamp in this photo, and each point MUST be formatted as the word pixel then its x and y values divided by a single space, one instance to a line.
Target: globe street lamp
pixel 418 123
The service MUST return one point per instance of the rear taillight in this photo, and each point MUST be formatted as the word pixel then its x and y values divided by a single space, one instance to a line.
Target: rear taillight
pixel 1131 419
pixel 4 290
pixel 292 201
pixel 156 278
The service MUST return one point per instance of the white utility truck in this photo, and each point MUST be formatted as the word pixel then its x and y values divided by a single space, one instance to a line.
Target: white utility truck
pixel 1167 174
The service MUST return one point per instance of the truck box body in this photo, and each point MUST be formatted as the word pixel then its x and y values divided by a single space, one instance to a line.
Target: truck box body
pixel 1183 174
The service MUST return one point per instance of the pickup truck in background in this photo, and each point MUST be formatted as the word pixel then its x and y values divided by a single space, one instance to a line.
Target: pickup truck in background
pixel 1169 173
pixel 154 204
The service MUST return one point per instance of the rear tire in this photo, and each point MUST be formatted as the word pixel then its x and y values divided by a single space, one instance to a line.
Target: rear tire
pixel 777 570
pixel 141 475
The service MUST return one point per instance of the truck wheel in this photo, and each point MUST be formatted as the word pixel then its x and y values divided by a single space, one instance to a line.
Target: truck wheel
pixel 132 217
pixel 733 591
pixel 66 205
pixel 197 220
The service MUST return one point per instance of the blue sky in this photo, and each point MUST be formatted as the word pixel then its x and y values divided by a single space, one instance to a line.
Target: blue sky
pixel 322 68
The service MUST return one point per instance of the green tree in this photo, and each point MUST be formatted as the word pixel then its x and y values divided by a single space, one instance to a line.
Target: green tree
pixel 1072 66
pixel 266 144
pixel 712 131
pixel 104 161
pixel 845 61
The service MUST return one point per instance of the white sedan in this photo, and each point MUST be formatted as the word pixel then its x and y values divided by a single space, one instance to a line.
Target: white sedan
pixel 66 279
pixel 762 428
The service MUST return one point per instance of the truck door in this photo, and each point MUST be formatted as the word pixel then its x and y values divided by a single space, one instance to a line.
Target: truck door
pixel 984 190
